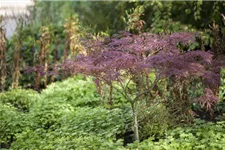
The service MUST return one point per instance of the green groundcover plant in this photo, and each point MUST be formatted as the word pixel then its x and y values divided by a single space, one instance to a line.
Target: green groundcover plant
pixel 66 115
pixel 84 128
pixel 11 122
pixel 75 91
pixel 200 136
pixel 39 139
pixel 20 99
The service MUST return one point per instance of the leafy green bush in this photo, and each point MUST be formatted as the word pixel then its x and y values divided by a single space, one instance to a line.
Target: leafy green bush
pixel 66 127
pixel 57 120
pixel 221 117
pixel 40 139
pixel 154 121
pixel 12 119
pixel 222 87
pixel 11 122
pixel 97 121
pixel 75 91
pixel 19 98
pixel 46 114
pixel 220 108
pixel 200 136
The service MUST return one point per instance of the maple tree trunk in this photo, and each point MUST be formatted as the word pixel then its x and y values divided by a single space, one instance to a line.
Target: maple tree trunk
pixel 135 119
pixel 110 95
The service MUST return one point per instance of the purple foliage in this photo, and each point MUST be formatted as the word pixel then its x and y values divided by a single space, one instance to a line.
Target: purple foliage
pixel 208 100
pixel 126 55
pixel 138 53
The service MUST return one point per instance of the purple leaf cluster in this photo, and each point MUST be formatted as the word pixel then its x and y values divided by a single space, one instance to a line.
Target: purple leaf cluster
pixel 208 100
pixel 141 53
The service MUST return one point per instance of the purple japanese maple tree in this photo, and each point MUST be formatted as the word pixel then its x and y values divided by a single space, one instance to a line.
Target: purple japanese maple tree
pixel 128 59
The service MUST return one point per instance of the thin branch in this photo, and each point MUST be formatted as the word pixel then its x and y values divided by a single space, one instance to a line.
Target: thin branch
pixel 124 95
pixel 148 90
pixel 125 88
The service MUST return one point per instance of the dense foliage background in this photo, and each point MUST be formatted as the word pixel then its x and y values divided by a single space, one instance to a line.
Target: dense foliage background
pixel 114 75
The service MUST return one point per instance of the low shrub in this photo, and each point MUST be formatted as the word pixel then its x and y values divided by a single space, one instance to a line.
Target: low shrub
pixel 220 108
pixel 11 123
pixel 40 139
pixel 222 86
pixel 97 121
pixel 154 121
pixel 46 114
pixel 75 91
pixel 200 136
pixel 221 117
pixel 81 128
pixel 19 98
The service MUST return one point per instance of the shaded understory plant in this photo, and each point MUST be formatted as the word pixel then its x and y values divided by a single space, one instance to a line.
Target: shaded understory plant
pixel 15 106
pixel 222 87
pixel 128 60
pixel 201 135
pixel 20 99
